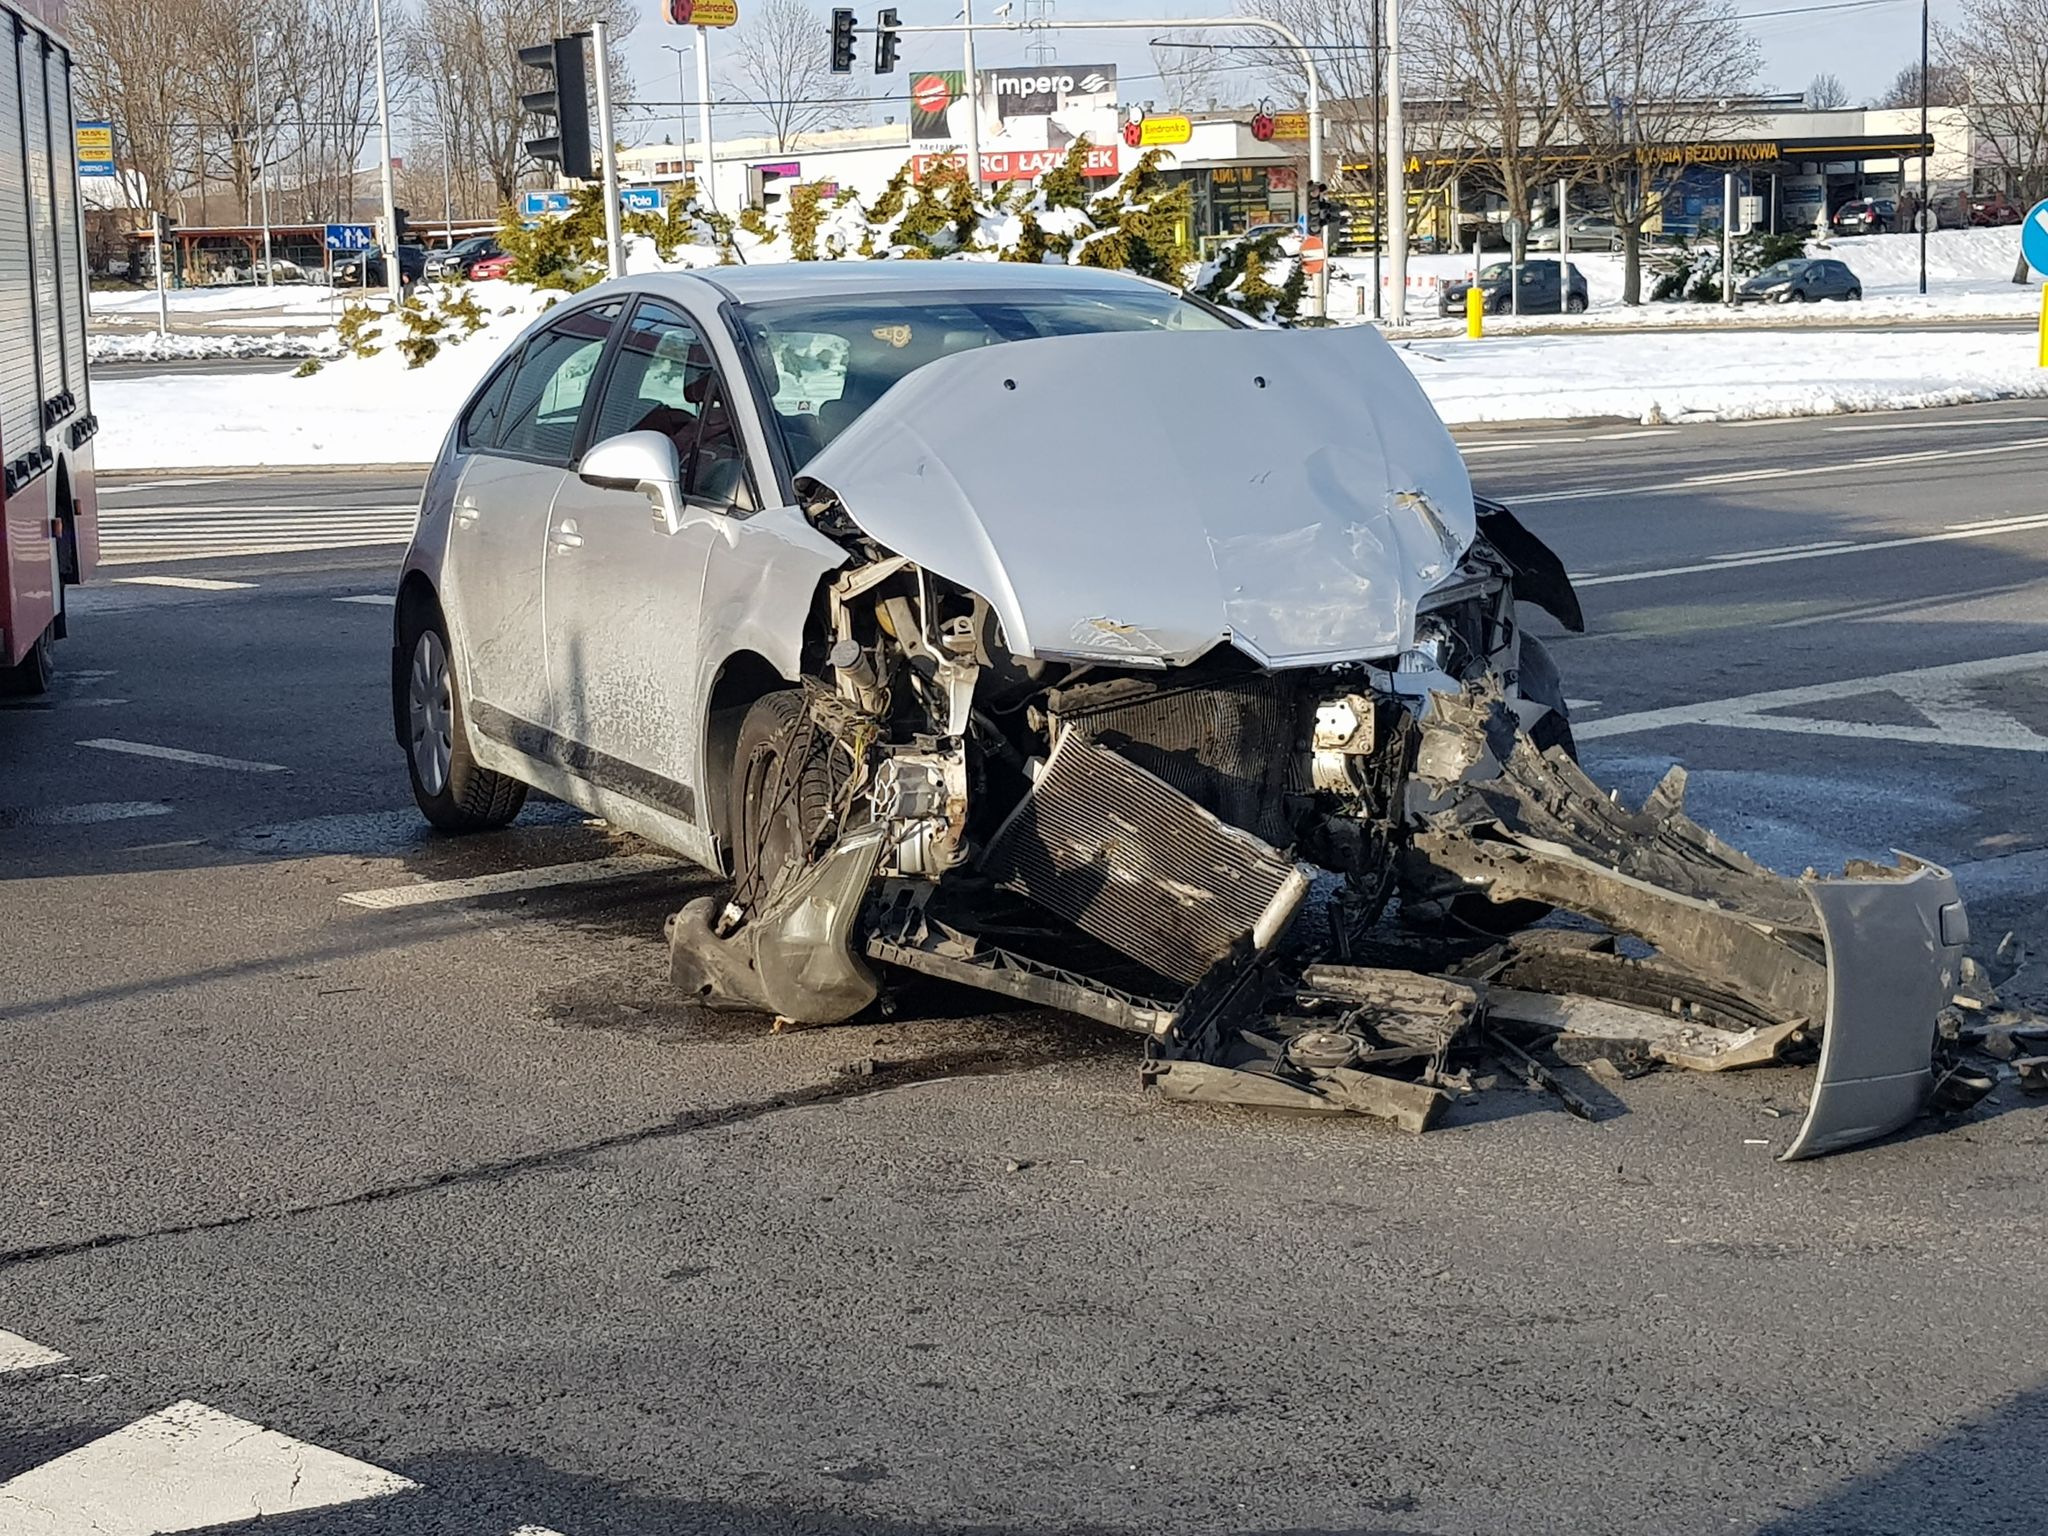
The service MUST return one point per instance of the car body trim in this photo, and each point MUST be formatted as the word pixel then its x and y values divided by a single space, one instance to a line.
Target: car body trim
pixel 604 771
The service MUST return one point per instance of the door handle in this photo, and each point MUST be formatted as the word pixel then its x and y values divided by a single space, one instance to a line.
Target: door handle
pixel 465 512
pixel 566 536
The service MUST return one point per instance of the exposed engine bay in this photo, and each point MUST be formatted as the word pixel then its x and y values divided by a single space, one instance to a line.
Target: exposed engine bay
pixel 1203 853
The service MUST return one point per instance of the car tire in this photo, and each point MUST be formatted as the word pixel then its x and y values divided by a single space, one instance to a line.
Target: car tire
pixel 453 791
pixel 1796 296
pixel 1575 305
pixel 781 804
pixel 1852 294
pixel 32 675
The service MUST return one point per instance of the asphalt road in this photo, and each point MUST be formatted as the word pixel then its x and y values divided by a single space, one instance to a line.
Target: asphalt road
pixel 458 1192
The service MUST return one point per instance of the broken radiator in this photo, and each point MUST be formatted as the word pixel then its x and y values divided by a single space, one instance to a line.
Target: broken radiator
pixel 1132 861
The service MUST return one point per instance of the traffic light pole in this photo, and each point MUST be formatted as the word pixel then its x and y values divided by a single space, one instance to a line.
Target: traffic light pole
pixel 394 276
pixel 614 238
pixel 1173 23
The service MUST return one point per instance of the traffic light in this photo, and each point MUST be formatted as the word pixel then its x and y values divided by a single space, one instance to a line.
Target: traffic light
pixel 885 41
pixel 842 42
pixel 563 101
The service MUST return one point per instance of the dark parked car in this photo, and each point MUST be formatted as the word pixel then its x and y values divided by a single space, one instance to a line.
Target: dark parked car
pixel 1537 290
pixel 1800 281
pixel 367 268
pixel 460 257
pixel 1866 216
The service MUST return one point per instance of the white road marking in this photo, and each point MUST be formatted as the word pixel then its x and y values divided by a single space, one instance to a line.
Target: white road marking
pixel 180 755
pixel 86 814
pixel 535 1530
pixel 1631 433
pixel 19 1354
pixel 1581 703
pixel 1945 424
pixel 186 1468
pixel 587 872
pixel 1785 549
pixel 372 599
pixel 132 535
pixel 1955 718
pixel 1751 476
pixel 187 583
pixel 1792 552
pixel 151 485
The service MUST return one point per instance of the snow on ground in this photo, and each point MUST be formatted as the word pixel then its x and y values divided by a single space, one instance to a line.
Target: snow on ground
pixel 287 298
pixel 353 411
pixel 151 346
pixel 1719 376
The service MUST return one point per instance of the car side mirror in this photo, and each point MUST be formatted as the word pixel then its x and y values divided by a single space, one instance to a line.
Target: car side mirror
pixel 640 461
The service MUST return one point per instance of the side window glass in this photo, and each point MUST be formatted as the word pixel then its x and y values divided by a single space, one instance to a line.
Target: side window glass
pixel 718 472
pixel 657 383
pixel 486 413
pixel 550 383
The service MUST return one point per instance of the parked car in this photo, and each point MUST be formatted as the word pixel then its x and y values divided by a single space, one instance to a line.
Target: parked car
pixel 1866 216
pixel 1803 280
pixel 457 260
pixel 489 268
pixel 1589 232
pixel 771 566
pixel 1994 210
pixel 1535 292
pixel 366 268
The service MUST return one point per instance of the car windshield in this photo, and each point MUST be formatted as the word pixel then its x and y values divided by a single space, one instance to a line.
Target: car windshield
pixel 824 362
pixel 1496 272
pixel 1778 272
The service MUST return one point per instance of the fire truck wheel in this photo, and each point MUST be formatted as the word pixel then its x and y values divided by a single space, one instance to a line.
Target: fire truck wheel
pixel 452 790
pixel 33 672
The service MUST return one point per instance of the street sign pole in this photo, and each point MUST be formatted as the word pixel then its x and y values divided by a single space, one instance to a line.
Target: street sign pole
pixel 1728 237
pixel 1397 172
pixel 1926 150
pixel 163 299
pixel 973 97
pixel 262 169
pixel 708 176
pixel 614 238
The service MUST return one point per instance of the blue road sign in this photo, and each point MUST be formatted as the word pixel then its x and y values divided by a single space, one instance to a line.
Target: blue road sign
pixel 534 204
pixel 351 237
pixel 2034 237
pixel 641 199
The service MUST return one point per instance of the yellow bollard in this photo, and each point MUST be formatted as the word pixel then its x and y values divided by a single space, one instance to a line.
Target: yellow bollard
pixel 2044 325
pixel 1475 317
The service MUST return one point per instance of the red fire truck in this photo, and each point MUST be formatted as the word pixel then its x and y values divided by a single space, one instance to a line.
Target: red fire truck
pixel 49 536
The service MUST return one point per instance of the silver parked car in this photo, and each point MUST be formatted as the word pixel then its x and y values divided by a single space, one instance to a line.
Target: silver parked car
pixel 1049 631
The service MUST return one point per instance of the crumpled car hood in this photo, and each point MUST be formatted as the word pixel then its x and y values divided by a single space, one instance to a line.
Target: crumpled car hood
pixel 1137 497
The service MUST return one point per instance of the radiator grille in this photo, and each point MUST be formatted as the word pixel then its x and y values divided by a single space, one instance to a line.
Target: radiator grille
pixel 1132 861
pixel 1239 750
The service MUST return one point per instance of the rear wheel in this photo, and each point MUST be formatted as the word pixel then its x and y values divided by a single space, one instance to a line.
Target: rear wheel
pixel 1853 293
pixel 1796 296
pixel 1575 305
pixel 33 673
pixel 450 788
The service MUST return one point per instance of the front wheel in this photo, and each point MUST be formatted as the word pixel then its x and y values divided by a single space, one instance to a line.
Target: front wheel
pixel 452 790
pixel 1575 305
pixel 1853 293
pixel 1795 297
pixel 33 673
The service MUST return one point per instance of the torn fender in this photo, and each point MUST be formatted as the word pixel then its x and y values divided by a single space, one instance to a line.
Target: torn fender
pixel 1894 950
pixel 1540 577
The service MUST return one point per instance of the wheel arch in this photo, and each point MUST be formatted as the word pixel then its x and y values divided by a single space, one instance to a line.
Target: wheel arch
pixel 416 599
pixel 742 679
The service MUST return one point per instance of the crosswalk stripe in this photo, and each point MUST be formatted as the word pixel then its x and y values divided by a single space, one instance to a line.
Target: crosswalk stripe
pixel 19 1354
pixel 186 1468
pixel 132 535
pixel 587 872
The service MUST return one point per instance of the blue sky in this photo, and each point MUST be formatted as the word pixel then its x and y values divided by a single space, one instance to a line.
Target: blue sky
pixel 1865 47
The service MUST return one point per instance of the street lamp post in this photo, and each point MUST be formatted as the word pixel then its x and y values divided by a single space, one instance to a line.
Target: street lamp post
pixel 705 174
pixel 262 167
pixel 1397 176
pixel 1926 151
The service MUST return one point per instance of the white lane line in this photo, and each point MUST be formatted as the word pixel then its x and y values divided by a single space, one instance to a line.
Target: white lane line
pixel 84 815
pixel 129 516
pixel 372 599
pixel 151 485
pixel 186 1468
pixel 19 1354
pixel 1958 720
pixel 1632 433
pixel 1801 552
pixel 1923 426
pixel 184 583
pixel 589 872
pixel 180 755
pixel 535 1530
pixel 1581 703
pixel 1785 549
pixel 1751 476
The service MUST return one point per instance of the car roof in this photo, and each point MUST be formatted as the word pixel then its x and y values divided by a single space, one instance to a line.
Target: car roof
pixel 782 280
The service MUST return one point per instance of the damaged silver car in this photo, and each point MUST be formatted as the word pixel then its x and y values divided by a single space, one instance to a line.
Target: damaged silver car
pixel 1052 632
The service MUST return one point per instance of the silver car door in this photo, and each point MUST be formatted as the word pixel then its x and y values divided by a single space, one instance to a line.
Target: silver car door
pixel 499 528
pixel 622 587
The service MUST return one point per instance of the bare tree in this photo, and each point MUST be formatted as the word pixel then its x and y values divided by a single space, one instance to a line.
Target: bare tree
pixel 1636 97
pixel 463 56
pixel 130 78
pixel 2000 47
pixel 1190 68
pixel 1825 93
pixel 781 65
pixel 1946 87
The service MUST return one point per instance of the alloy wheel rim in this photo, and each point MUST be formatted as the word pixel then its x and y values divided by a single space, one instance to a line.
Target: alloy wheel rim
pixel 430 713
